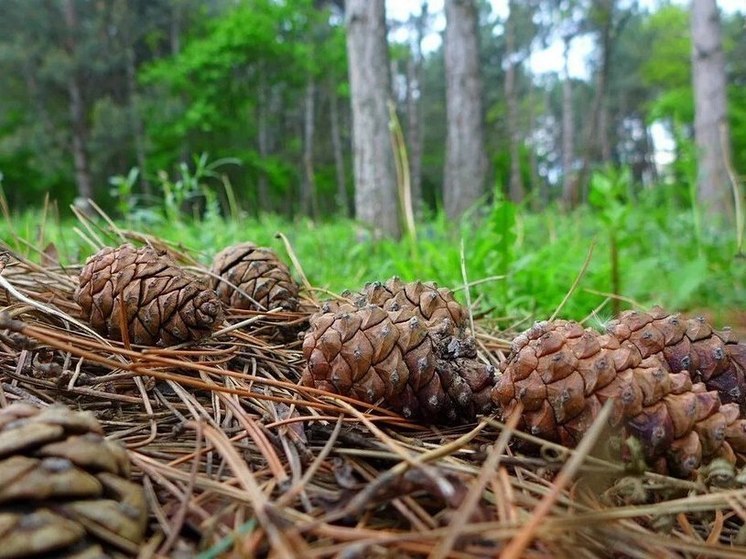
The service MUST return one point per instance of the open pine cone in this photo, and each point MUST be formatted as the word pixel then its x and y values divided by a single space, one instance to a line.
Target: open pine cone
pixel 156 301
pixel 427 301
pixel 396 360
pixel 64 489
pixel 249 277
pixel 715 358
pixel 563 374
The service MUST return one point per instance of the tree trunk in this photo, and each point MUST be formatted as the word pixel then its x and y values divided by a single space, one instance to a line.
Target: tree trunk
pixel 466 162
pixel 570 196
pixel 136 125
pixel 516 190
pixel 262 119
pixel 77 112
pixel 370 83
pixel 606 10
pixel 308 185
pixel 710 118
pixel 343 202
pixel 538 186
pixel 414 111
pixel 604 137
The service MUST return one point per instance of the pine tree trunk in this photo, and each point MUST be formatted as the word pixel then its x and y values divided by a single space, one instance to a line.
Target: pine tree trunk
pixel 516 190
pixel 77 113
pixel 466 162
pixel 262 118
pixel 414 111
pixel 710 121
pixel 569 181
pixel 604 139
pixel 308 185
pixel 343 202
pixel 609 31
pixel 537 184
pixel 136 125
pixel 370 85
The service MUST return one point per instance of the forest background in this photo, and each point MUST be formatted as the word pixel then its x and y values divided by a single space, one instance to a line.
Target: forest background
pixel 211 122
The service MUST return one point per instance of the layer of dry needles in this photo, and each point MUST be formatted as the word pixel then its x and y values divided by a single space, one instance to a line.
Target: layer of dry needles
pixel 237 460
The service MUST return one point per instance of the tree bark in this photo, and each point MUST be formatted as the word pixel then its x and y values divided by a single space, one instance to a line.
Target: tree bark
pixel 710 119
pixel 608 33
pixel 370 85
pixel 308 185
pixel 570 196
pixel 516 189
pixel 136 125
pixel 77 111
pixel 414 110
pixel 466 162
pixel 262 118
pixel 538 186
pixel 343 202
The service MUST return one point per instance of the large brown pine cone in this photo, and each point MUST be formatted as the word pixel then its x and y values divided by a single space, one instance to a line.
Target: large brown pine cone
pixel 64 489
pixel 249 277
pixel 397 361
pixel 563 374
pixel 428 302
pixel 715 358
pixel 158 302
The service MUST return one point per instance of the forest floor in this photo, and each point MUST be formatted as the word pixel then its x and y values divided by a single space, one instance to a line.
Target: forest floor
pixel 246 462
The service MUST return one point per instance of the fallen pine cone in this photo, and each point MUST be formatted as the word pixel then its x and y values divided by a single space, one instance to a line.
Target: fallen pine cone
pixel 715 358
pixel 156 301
pixel 393 359
pixel 249 277
pixel 427 301
pixel 64 489
pixel 563 374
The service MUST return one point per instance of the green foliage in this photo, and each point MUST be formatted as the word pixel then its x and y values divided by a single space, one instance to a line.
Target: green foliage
pixel 522 262
pixel 192 194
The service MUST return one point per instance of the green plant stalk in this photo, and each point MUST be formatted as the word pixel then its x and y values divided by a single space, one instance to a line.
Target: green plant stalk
pixel 231 197
pixel 616 289
pixel 736 189
pixel 403 179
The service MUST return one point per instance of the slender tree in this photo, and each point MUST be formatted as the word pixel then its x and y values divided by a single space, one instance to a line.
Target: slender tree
pixel 343 203
pixel 414 106
pixel 465 162
pixel 569 180
pixel 308 184
pixel 370 85
pixel 710 120
pixel 516 189
pixel 77 109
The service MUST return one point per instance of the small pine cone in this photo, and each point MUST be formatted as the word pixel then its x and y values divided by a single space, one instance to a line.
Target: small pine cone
pixel 249 277
pixel 64 488
pixel 428 302
pixel 392 359
pixel 715 358
pixel 157 301
pixel 563 374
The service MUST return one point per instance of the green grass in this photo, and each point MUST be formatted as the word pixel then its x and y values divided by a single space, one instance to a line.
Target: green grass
pixel 528 260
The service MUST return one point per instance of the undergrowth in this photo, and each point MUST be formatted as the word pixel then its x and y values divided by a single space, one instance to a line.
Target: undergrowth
pixel 519 263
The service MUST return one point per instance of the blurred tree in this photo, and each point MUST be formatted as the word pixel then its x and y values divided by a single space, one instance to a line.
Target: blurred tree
pixel 710 117
pixel 370 87
pixel 465 161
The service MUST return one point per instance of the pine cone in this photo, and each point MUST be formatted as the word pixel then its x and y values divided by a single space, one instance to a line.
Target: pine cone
pixel 395 360
pixel 157 301
pixel 64 489
pixel 249 277
pixel 563 374
pixel 715 358
pixel 429 303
